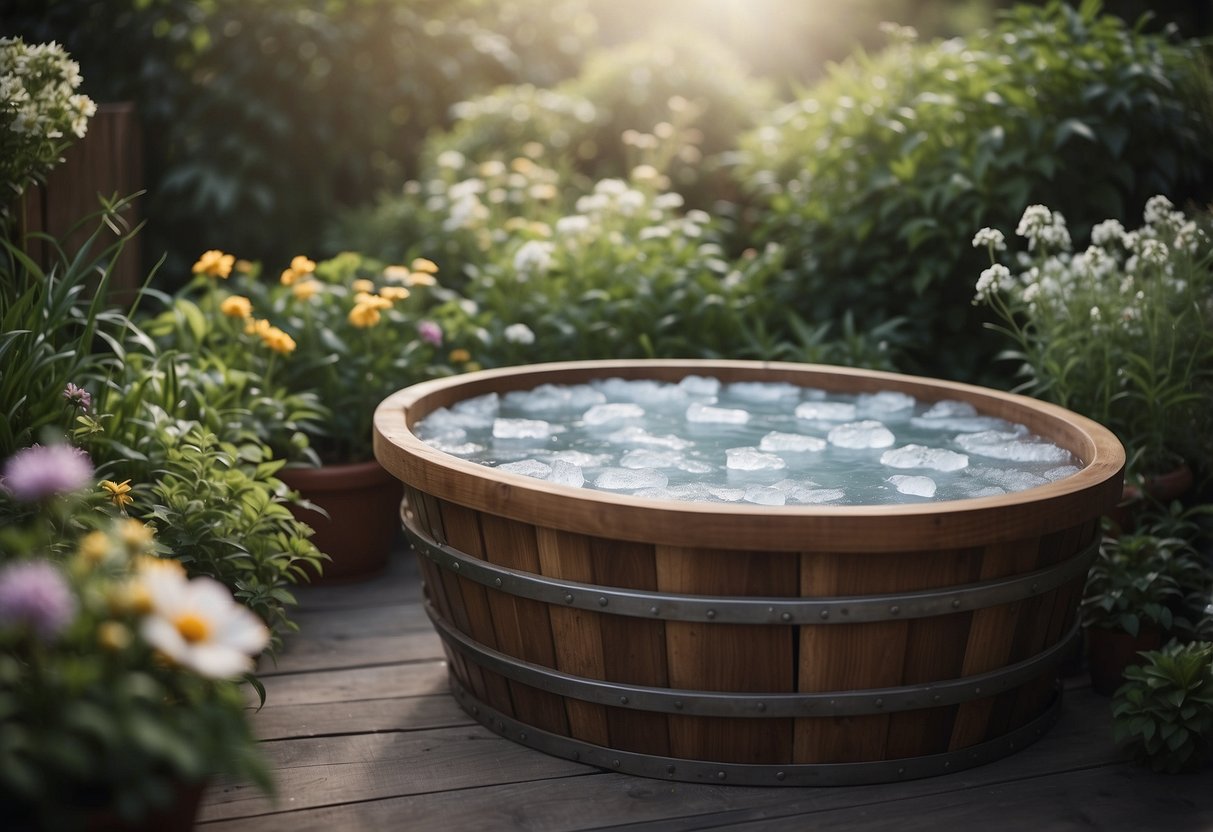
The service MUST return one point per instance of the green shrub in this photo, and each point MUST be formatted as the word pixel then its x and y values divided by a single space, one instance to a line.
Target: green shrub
pixel 1164 712
pixel 877 177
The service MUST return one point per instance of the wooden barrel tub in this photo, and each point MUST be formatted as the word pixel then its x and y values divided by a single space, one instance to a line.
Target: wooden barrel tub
pixel 794 645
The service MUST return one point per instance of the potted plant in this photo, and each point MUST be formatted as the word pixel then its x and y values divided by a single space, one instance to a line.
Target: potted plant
pixel 1121 331
pixel 1164 711
pixel 119 675
pixel 1135 592
pixel 327 341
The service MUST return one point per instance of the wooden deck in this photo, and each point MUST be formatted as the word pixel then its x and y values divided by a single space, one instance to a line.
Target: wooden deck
pixel 362 734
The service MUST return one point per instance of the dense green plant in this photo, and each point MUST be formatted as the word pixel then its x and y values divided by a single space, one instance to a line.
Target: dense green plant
pixel 1121 332
pixel 1164 711
pixel 874 178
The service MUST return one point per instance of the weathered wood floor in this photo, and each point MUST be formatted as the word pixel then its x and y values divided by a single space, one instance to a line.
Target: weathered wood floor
pixel 362 734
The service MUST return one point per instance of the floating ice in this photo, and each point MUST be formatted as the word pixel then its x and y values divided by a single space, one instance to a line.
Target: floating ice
pixel 727 495
pixel 752 459
pixel 582 459
pixel 885 405
pixel 1011 446
pixel 630 479
pixel 456 448
pixel 527 467
pixel 866 434
pixel 443 421
pixel 764 495
pixel 776 442
pixel 807 492
pixel 640 391
pixel 762 392
pixel 978 490
pixel 550 397
pixel 603 414
pixel 707 414
pixel 1060 473
pixel 1009 479
pixel 949 409
pixel 565 473
pixel 485 406
pixel 920 456
pixel 648 458
pixel 435 430
pixel 914 486
pixel 826 411
pixel 700 386
pixel 521 429
pixel 965 424
pixel 636 435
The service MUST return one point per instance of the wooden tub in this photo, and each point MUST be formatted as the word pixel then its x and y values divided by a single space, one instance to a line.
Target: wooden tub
pixel 746 644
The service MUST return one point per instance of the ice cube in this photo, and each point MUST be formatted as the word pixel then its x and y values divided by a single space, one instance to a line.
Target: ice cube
pixel 649 458
pixel 885 405
pixel 752 459
pixel 914 486
pixel 582 459
pixel 444 421
pixel 527 467
pixel 807 492
pixel 949 409
pixel 920 456
pixel 978 490
pixel 636 435
pixel 1012 447
pixel 1009 479
pixel 726 494
pixel 456 448
pixel 640 391
pixel 521 429
pixel 776 442
pixel 1054 474
pixel 707 414
pixel 550 397
pixel 865 434
pixel 605 414
pixel 483 406
pixel 657 493
pixel 826 411
pixel 704 386
pixel 964 424
pixel 630 479
pixel 764 495
pixel 565 473
pixel 762 392
pixel 431 430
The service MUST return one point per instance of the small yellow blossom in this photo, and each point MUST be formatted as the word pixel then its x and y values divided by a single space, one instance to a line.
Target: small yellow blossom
pixel 363 285
pixel 540 229
pixel 393 293
pixel 129 598
pixel 364 316
pixel 148 564
pixel 516 224
pixel 422 279
pixel 460 356
pixel 278 341
pixel 244 266
pixel 215 263
pixel 305 289
pixel 289 276
pixel 94 547
pixel 236 306
pixel 119 492
pixel 136 536
pixel 422 264
pixel 301 265
pixel 522 165
pixel 396 274
pixel 373 301
pixel 113 636
pixel 260 326
pixel 543 191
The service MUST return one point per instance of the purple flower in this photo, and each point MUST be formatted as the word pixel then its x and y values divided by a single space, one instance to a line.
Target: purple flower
pixel 430 332
pixel 45 470
pixel 35 595
pixel 78 396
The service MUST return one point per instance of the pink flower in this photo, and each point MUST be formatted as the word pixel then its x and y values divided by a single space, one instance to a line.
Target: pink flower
pixel 45 470
pixel 35 595
pixel 78 396
pixel 430 332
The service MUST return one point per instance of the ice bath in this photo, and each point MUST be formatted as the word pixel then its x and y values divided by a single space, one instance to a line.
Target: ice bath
pixel 774 637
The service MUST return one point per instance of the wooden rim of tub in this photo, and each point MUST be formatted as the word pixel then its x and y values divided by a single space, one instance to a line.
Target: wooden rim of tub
pixel 862 528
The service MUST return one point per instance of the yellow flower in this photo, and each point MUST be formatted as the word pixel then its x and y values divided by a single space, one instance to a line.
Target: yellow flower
pixel 113 636
pixel 393 293
pixel 305 289
pixel 289 276
pixel 522 165
pixel 215 263
pixel 543 191
pixel 516 223
pixel 396 274
pixel 363 286
pixel 150 564
pixel 94 547
pixel 301 265
pixel 364 316
pixel 278 341
pixel 236 306
pixel 119 492
pixel 260 326
pixel 244 266
pixel 373 301
pixel 460 356
pixel 421 264
pixel 136 536
pixel 422 279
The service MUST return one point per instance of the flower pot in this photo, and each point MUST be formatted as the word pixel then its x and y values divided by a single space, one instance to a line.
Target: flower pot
pixel 1109 652
pixel 178 816
pixel 362 501
pixel 1161 488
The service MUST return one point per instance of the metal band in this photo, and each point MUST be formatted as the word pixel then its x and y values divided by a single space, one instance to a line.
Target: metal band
pixel 751 610
pixel 739 774
pixel 750 704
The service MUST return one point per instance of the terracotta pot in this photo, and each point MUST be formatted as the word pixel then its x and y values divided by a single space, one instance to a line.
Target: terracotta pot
pixel 1161 488
pixel 363 504
pixel 1109 652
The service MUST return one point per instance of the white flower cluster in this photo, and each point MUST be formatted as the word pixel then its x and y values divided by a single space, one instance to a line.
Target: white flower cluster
pixel 1043 228
pixel 39 107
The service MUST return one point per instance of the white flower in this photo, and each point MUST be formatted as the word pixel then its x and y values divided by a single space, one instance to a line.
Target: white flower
pixel 1095 314
pixel 1040 225
pixel 451 159
pixel 990 281
pixel 1153 252
pixel 1034 217
pixel 533 257
pixel 654 232
pixel 519 334
pixel 990 237
pixel 1108 231
pixel 1158 210
pixel 668 201
pixel 572 225
pixel 196 624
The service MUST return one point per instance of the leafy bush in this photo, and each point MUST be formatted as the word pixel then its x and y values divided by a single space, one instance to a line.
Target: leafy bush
pixel 1164 712
pixel 876 177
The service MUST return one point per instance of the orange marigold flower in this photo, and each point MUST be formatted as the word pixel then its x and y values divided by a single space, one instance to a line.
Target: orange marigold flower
pixel 373 301
pixel 244 266
pixel 393 293
pixel 460 356
pixel 257 327
pixel 363 285
pixel 119 492
pixel 421 264
pixel 305 289
pixel 422 279
pixel 289 276
pixel 278 341
pixel 364 316
pixel 215 263
pixel 236 306
pixel 302 265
